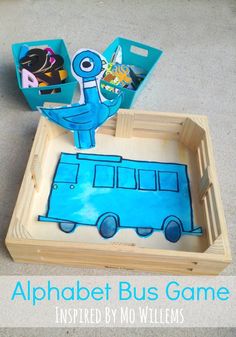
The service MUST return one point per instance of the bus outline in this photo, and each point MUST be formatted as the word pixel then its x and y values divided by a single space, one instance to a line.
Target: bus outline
pixel 167 186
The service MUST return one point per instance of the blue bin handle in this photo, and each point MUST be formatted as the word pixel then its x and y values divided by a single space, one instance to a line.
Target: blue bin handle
pixel 46 88
pixel 141 49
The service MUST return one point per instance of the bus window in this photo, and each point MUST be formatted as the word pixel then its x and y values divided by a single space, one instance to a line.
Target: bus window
pixel 104 176
pixel 67 173
pixel 168 181
pixel 147 180
pixel 126 178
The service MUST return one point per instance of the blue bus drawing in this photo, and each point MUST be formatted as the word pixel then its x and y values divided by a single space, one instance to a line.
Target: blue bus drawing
pixel 111 193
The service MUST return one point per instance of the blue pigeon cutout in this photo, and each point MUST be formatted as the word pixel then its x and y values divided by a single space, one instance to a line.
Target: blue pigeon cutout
pixel 84 117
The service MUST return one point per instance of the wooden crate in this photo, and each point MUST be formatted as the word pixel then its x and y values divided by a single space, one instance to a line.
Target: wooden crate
pixel 167 137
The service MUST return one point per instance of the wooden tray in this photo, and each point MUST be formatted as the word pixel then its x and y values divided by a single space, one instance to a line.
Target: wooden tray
pixel 139 135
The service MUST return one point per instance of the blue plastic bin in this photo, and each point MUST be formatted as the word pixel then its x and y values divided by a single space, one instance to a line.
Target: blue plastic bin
pixel 137 54
pixel 33 95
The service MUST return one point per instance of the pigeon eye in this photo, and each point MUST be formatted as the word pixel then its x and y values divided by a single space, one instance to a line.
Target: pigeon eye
pixel 86 64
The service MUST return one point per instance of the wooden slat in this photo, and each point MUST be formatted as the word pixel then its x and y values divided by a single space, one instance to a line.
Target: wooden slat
pixel 120 260
pixel 106 130
pixel 211 215
pixel 36 172
pixel 43 148
pixel 141 133
pixel 167 270
pixel 218 201
pixel 205 182
pixel 202 156
pixel 125 124
pixel 214 208
pixel 160 117
pixel 217 246
pixel 159 127
pixel 208 222
pixel 113 250
pixel 205 150
pixel 191 134
pixel 199 161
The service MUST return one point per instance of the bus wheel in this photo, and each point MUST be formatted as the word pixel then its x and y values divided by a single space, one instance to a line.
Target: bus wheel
pixel 144 232
pixel 173 231
pixel 107 225
pixel 67 227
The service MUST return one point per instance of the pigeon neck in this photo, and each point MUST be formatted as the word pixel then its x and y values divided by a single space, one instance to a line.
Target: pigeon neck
pixel 91 90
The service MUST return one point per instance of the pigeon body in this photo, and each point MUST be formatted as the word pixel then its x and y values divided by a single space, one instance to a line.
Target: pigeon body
pixel 83 119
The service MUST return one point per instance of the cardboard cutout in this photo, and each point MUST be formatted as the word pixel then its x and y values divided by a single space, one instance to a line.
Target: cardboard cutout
pixel 93 109
pixel 112 193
